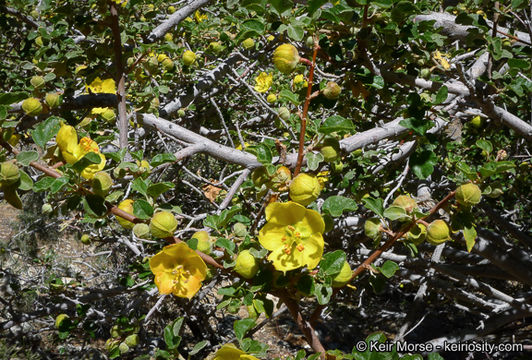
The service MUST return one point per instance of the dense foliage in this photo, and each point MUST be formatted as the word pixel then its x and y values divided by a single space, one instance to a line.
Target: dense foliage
pixel 363 166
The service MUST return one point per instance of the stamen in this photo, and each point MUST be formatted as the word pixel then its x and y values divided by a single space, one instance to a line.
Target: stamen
pixel 300 247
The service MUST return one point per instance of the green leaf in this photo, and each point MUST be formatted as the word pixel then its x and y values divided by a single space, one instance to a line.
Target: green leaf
pixel 162 158
pixel 336 123
pixel 287 95
pixel 25 157
pixel 389 268
pixel 375 205
pixel 254 25
pixel 470 235
pixel 140 186
pixel 197 348
pixel 323 293
pixel 441 96
pixel 43 184
pixel 241 327
pixel 154 190
pixel 58 184
pixel 402 10
pixel 295 32
pixel 263 153
pixel 422 163
pixel 335 205
pixel 226 244
pixel 26 183
pixel 332 262
pixel 281 7
pixel 313 160
pixel 484 145
pixel 419 125
pixel 142 209
pixel 13 97
pixel 382 3
pixel 46 130
pixel 395 213
pixel 88 159
pixel 95 204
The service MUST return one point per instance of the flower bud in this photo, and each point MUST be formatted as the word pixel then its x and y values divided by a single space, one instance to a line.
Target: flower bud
pixel 108 115
pixel 260 177
pixel 52 100
pixel 61 321
pixel 271 98
pixel 171 9
pixel 115 331
pixel 152 64
pixel 9 173
pixel 181 113
pixel 285 58
pixel 38 41
pixel 204 241
pixel 46 208
pixel 102 183
pixel 132 340
pixel 476 122
pixel 163 224
pixel 330 149
pixel 248 44
pixel 284 113
pixel 37 81
pixel 32 106
pixel 85 239
pixel 123 348
pixel 168 64
pixel 189 57
pixel 417 234
pixel 279 180
pixel 169 37
pixel 127 206
pixel 332 90
pixel 372 228
pixel 343 277
pixel 438 232
pixel 309 42
pixel 425 73
pixel 141 230
pixel 468 194
pixel 405 202
pixel 240 229
pixel 144 166
pixel 246 264
pixel 304 189
pixel 215 47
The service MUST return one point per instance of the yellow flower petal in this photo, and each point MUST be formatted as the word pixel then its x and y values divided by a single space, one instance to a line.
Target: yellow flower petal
pixel 264 82
pixel 271 236
pixel 284 213
pixel 313 250
pixel 286 262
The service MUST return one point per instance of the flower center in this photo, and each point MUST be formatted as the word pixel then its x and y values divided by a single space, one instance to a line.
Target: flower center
pixel 292 240
pixel 181 275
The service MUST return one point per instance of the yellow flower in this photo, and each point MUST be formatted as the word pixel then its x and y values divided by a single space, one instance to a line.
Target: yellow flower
pixel 300 82
pixel 67 141
pixel 127 206
pixel 264 82
pixel 293 234
pixel 178 270
pixel 442 60
pixel 99 86
pixel 199 16
pixel 120 2
pixel 230 352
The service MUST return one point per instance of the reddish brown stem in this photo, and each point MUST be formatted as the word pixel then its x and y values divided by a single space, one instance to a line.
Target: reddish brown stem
pixel 121 76
pixel 301 150
pixel 304 325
